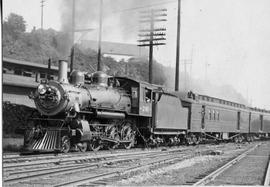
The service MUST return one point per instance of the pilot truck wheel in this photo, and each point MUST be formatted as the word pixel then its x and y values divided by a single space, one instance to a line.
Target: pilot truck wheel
pixel 95 144
pixel 65 144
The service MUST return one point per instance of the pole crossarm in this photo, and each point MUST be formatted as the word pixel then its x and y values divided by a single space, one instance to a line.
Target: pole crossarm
pixel 148 30
pixel 144 45
pixel 154 10
pixel 152 20
pixel 155 15
pixel 150 37
pixel 154 34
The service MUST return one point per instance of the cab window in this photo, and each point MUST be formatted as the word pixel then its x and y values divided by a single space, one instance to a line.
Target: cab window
pixel 147 95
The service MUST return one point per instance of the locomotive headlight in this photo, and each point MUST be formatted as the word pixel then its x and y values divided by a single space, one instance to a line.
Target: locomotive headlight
pixel 41 89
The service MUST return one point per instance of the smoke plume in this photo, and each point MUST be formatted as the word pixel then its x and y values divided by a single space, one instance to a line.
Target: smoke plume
pixel 120 17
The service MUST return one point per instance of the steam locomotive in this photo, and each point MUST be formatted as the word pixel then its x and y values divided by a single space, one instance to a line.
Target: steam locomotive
pixel 91 111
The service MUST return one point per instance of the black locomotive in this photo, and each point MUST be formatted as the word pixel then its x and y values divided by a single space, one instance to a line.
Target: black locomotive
pixel 90 111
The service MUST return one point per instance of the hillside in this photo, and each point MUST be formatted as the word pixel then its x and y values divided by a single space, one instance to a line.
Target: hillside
pixel 40 45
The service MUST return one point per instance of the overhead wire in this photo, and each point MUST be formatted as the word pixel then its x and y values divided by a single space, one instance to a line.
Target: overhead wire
pixel 132 9
pixel 141 7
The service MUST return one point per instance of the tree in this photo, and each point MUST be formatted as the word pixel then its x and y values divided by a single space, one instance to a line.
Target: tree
pixel 14 25
pixel 139 69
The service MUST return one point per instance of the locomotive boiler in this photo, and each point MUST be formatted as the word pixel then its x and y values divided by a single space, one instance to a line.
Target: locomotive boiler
pixel 61 97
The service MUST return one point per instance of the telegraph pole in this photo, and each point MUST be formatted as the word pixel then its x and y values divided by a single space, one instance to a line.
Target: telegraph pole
pixel 72 55
pixel 178 46
pixel 191 63
pixel 151 47
pixel 73 31
pixel 42 5
pixel 100 33
pixel 152 36
pixel 185 63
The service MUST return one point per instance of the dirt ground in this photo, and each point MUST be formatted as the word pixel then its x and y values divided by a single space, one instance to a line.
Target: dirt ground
pixel 181 173
pixel 12 144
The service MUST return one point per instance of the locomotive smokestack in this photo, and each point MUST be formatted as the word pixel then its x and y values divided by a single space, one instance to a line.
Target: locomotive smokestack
pixel 62 71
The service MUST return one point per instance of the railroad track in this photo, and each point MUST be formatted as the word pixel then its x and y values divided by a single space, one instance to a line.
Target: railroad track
pixel 112 177
pixel 75 171
pixel 216 177
pixel 108 177
pixel 56 167
pixel 92 169
pixel 77 158
pixel 17 158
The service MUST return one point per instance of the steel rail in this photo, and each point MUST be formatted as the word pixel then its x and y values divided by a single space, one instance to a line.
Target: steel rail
pixel 123 171
pixel 19 158
pixel 16 158
pixel 84 158
pixel 220 170
pixel 86 166
pixel 267 175
pixel 64 170
pixel 9 161
pixel 74 168
pixel 7 157
pixel 74 158
pixel 76 165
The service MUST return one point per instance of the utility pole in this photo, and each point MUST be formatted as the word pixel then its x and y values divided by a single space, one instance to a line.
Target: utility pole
pixel 185 63
pixel 100 34
pixel 72 55
pixel 152 36
pixel 191 63
pixel 49 69
pixel 126 69
pixel 178 46
pixel 73 31
pixel 42 5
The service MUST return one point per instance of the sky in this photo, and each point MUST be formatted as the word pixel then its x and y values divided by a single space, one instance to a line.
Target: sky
pixel 227 41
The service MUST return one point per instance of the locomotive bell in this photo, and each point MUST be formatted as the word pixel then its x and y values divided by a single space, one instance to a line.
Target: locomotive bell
pixel 62 71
